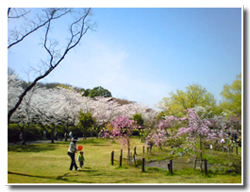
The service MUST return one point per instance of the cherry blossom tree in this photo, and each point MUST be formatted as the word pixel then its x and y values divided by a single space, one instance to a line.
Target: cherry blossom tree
pixel 105 110
pixel 197 129
pixel 122 129
pixel 157 137
pixel 164 131
pixel 149 115
pixel 22 116
pixel 14 90
pixel 61 106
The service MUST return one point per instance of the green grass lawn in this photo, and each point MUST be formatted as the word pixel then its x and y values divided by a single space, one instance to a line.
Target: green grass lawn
pixel 49 163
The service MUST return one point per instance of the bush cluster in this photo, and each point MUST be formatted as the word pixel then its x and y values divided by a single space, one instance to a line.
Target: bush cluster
pixel 34 132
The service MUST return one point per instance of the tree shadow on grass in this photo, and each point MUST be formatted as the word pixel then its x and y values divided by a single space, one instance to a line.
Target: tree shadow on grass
pixel 32 148
pixel 62 177
pixel 87 170
pixel 67 177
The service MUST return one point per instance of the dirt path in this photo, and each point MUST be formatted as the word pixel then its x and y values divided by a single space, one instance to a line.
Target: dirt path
pixel 178 164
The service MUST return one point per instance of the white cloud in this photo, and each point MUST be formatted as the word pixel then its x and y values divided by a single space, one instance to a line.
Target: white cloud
pixel 99 63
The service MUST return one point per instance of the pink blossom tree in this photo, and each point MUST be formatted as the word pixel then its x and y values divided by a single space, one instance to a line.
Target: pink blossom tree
pixel 197 129
pixel 159 135
pixel 122 129
pixel 156 137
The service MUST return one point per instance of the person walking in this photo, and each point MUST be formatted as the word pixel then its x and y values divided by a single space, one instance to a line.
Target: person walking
pixel 71 135
pixel 71 152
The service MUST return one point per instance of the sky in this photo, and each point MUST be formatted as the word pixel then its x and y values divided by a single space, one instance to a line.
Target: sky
pixel 143 54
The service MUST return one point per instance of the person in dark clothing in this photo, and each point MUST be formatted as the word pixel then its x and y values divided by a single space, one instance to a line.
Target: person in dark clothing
pixel 71 152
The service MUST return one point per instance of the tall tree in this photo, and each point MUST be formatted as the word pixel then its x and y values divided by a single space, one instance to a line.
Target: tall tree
pixel 195 95
pixel 140 122
pixel 138 118
pixel 197 130
pixel 86 121
pixel 232 97
pixel 77 29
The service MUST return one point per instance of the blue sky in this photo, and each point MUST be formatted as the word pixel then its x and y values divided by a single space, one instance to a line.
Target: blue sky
pixel 142 54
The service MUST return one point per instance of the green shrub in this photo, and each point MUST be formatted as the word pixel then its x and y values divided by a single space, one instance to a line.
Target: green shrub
pixel 33 132
pixel 13 133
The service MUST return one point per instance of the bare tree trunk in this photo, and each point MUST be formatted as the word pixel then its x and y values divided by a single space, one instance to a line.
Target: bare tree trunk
pixel 129 156
pixel 200 153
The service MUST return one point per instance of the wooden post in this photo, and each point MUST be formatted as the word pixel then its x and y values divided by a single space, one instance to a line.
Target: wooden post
pixel 143 149
pixel 135 161
pixel 135 151
pixel 112 158
pixel 143 164
pixel 171 166
pixel 205 161
pixel 120 160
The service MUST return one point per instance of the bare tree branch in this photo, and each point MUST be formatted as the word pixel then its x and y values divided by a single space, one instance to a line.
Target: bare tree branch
pixel 50 16
pixel 80 29
pixel 16 14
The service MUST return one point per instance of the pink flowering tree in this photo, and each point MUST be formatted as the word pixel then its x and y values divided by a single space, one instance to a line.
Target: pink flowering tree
pixel 122 129
pixel 156 137
pixel 197 129
pixel 162 132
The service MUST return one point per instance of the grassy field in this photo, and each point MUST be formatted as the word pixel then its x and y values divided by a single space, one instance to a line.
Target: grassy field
pixel 49 163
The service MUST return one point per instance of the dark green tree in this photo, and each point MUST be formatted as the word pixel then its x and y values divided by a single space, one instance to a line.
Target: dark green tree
pixel 138 118
pixel 140 121
pixel 99 91
pixel 86 121
pixel 85 92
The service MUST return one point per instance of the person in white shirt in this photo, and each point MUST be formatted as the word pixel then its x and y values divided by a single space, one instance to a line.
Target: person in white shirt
pixel 71 152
